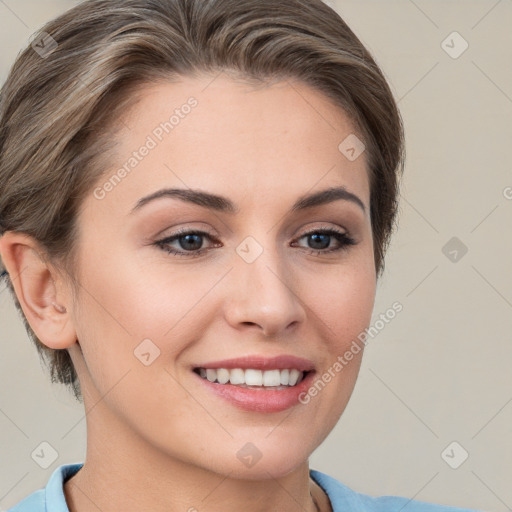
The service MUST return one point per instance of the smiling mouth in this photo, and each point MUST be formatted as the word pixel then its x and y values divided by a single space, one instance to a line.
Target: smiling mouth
pixel 253 378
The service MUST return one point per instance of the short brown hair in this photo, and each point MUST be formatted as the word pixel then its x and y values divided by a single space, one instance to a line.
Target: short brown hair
pixel 55 107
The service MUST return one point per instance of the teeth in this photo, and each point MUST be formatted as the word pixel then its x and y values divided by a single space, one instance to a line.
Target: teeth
pixel 237 376
pixel 272 378
pixel 294 377
pixel 253 377
pixel 250 377
pixel 222 375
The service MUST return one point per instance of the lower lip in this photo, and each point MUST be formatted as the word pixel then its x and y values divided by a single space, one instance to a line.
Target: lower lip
pixel 260 400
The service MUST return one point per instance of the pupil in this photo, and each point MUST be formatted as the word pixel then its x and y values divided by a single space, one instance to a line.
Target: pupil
pixel 315 238
pixel 190 240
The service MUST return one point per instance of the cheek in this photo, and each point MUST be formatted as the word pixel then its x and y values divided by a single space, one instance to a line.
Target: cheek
pixel 342 302
pixel 123 304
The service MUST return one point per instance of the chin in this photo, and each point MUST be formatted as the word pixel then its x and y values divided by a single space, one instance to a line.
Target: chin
pixel 264 470
pixel 264 458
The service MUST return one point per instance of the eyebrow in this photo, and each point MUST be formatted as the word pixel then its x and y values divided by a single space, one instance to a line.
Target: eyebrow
pixel 224 205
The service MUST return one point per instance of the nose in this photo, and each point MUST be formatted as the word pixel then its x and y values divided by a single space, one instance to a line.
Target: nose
pixel 263 297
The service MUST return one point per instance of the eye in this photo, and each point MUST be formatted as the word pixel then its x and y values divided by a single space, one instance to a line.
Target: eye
pixel 320 240
pixel 191 242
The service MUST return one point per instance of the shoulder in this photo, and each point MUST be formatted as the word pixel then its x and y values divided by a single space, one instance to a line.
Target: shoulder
pixel 51 498
pixel 343 498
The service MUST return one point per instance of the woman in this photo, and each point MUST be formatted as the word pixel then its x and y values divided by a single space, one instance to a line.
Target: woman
pixel 197 197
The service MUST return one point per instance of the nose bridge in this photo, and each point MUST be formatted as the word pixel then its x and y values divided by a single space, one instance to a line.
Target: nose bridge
pixel 264 292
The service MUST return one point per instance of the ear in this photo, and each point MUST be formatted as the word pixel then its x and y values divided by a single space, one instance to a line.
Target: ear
pixel 45 305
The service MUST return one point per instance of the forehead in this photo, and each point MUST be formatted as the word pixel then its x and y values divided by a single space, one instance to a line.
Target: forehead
pixel 228 137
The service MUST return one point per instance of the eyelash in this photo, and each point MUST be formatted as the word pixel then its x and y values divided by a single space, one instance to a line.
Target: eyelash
pixel 343 238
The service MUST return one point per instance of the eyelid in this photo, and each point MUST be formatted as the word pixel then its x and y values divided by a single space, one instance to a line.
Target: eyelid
pixel 326 227
pixel 213 234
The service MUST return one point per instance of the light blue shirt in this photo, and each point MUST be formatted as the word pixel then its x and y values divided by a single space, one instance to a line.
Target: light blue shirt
pixel 343 499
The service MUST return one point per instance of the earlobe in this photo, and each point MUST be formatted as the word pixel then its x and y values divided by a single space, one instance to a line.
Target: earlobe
pixel 33 280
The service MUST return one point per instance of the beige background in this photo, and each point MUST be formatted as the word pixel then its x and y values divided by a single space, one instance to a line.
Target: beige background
pixel 440 370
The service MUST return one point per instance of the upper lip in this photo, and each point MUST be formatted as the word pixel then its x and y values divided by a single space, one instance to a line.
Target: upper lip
pixel 258 362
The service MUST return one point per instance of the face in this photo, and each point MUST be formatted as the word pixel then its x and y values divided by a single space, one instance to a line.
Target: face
pixel 235 278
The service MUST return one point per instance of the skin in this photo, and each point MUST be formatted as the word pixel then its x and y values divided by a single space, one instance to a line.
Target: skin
pixel 157 439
